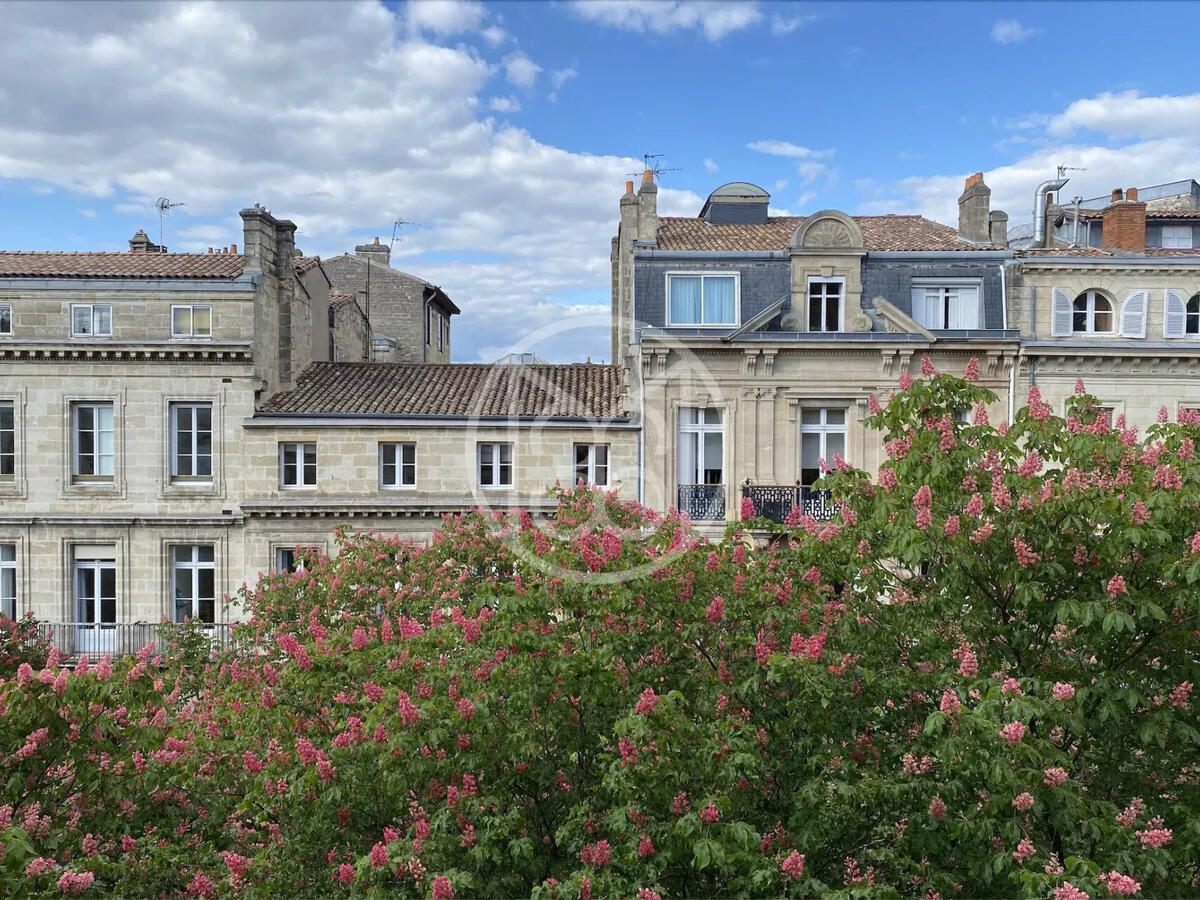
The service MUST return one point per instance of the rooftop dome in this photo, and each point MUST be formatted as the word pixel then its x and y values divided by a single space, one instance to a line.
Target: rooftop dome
pixel 736 203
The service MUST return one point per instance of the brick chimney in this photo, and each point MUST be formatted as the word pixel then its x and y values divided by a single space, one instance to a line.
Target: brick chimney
pixel 973 210
pixel 377 253
pixel 1124 220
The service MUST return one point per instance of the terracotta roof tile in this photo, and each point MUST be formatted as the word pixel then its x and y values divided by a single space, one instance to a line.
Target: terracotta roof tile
pixel 455 389
pixel 304 263
pixel 1154 252
pixel 895 233
pixel 61 264
pixel 338 299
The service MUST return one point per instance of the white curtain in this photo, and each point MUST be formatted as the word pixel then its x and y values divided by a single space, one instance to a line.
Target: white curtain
pixel 719 306
pixel 685 300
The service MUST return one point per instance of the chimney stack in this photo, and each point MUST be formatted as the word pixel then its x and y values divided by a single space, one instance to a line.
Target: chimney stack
pixel 141 243
pixel 375 252
pixel 647 197
pixel 974 210
pixel 1124 222
pixel 998 227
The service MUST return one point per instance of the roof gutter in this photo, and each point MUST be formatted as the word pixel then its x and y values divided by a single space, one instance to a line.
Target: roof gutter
pixel 384 420
pixel 1123 261
pixel 939 254
pixel 712 254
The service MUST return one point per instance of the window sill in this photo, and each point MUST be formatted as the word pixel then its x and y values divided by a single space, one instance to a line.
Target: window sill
pixel 297 487
pixel 397 487
pixel 495 487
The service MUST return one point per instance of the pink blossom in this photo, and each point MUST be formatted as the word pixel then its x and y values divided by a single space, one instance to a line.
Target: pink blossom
pixel 1068 891
pixel 40 866
pixel 716 610
pixel 25 670
pixel 1154 837
pixel 1023 801
pixel 927 369
pixel 645 846
pixel 409 714
pixel 1024 850
pixel 1063 691
pixel 680 804
pixel 906 381
pixel 1180 693
pixel 1011 686
pixel 378 856
pixel 747 510
pixel 1055 777
pixel 971 373
pixel 923 497
pixel 982 533
pixel 888 481
pixel 442 889
pixel 952 526
pixel 873 406
pixel 1120 885
pixel 647 894
pixel 203 886
pixel 950 703
pixel 1080 389
pixel 647 702
pixel 466 709
pixel 1013 732
pixel 1026 555
pixel 1130 815
pixel 1116 586
pixel 710 814
pixel 597 855
pixel 793 866
pixel 937 808
pixel 75 882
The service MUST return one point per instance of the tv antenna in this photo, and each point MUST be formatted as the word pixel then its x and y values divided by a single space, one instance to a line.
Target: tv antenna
pixel 396 231
pixel 654 168
pixel 164 206
pixel 1064 169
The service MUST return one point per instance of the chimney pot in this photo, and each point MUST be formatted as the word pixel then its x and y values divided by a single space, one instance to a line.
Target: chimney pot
pixel 376 240
pixel 629 187
pixel 1116 196
pixel 233 248
pixel 210 249
pixel 972 180
pixel 974 206
pixel 1131 194
pixel 647 177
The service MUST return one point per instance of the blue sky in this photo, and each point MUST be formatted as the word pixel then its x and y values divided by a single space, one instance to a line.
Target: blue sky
pixel 506 130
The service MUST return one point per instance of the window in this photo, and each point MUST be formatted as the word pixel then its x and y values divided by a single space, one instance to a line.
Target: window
pixel 591 464
pixel 92 434
pixel 91 319
pixel 8 580
pixel 495 465
pixel 287 559
pixel 6 319
pixel 822 435
pixel 193 582
pixel 95 600
pixel 191 442
pixel 701 446
pixel 397 466
pixel 297 466
pixel 429 314
pixel 942 307
pixel 441 329
pixel 702 299
pixel 1192 316
pixel 191 321
pixel 1177 237
pixel 1092 314
pixel 8 441
pixel 824 305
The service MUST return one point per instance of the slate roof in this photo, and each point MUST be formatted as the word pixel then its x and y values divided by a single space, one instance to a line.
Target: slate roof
pixel 580 390
pixel 894 233
pixel 1068 212
pixel 62 264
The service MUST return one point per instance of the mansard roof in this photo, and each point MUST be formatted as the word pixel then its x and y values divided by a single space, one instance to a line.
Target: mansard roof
pixel 880 233
pixel 461 390
pixel 66 264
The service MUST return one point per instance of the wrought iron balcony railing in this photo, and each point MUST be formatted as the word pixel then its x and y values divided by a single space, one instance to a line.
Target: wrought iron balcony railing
pixel 775 502
pixel 98 639
pixel 702 502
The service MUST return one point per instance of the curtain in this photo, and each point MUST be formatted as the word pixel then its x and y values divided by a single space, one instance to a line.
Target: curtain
pixel 685 300
pixel 719 301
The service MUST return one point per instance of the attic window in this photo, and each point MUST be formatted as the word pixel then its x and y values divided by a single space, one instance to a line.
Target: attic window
pixel 696 299
pixel 1177 237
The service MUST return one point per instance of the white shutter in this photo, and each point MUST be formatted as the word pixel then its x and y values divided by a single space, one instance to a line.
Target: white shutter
pixel 1063 314
pixel 925 307
pixel 1174 315
pixel 1133 315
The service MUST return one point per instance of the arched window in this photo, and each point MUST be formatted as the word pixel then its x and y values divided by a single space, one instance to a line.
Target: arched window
pixel 1193 316
pixel 1092 314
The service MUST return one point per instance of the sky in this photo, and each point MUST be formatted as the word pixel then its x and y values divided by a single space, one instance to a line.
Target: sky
pixel 504 132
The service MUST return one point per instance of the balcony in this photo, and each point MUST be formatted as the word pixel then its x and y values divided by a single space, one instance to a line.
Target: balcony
pixel 702 502
pixel 73 639
pixel 775 502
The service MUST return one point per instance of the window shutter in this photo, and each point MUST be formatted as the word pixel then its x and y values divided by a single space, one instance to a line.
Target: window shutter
pixel 1133 315
pixel 1060 323
pixel 1174 315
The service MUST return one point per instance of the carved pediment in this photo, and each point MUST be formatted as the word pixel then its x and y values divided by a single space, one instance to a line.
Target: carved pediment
pixel 896 321
pixel 828 229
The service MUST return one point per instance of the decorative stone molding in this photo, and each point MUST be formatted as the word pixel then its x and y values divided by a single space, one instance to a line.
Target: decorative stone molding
pixel 828 229
pixel 899 322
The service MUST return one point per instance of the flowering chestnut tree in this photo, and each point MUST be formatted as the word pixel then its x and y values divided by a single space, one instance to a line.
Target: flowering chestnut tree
pixel 975 681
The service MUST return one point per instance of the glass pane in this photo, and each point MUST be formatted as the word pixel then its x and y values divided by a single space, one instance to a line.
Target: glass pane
pixel 85 595
pixel 814 314
pixel 835 417
pixel 1080 304
pixel 688 444
pixel 181 320
pixel 719 306
pixel 685 300
pixel 810 417
pixel 409 454
pixel 835 442
pixel 1103 320
pixel 103 319
pixel 833 306
pixel 5 320
pixel 389 472
pixel 108 582
pixel 8 552
pixel 6 417
pixel 712 416
pixel 601 475
pixel 505 454
pixel 202 320
pixel 205 553
pixel 181 553
pixel 810 451
pixel 485 453
pixel 409 471
pixel 688 415
pixel 506 474
pixel 601 452
pixel 581 454
pixel 207 604
pixel 81 319
pixel 310 470
pixel 713 459
pixel 1079 321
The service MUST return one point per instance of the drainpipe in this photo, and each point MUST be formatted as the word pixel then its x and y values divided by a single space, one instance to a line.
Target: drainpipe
pixel 1003 299
pixel 641 430
pixel 1075 231
pixel 1012 388
pixel 1039 208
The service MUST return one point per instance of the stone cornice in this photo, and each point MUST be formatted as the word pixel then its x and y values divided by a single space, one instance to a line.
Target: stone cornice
pixel 406 508
pixel 55 351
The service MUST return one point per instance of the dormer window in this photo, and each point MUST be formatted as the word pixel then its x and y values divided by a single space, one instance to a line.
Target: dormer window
pixel 700 299
pixel 1092 313
pixel 825 304
pixel 1177 237
pixel 946 306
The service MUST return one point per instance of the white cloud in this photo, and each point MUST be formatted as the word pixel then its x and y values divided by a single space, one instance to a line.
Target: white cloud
pixel 120 106
pixel 786 148
pixel 782 25
pixel 558 78
pixel 520 69
pixel 87 213
pixel 445 16
pixel 1133 141
pixel 494 35
pixel 709 166
pixel 716 18
pixel 1010 31
pixel 509 104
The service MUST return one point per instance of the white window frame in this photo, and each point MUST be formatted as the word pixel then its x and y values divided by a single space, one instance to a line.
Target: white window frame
pixel 287 557
pixel 823 429
pixel 591 466
pixel 923 285
pixel 1177 233
pixel 815 279
pixel 703 274
pixel 1090 312
pixel 191 569
pixel 496 465
pixel 191 332
pixel 8 579
pixel 97 475
pixel 399 450
pixel 195 456
pixel 93 316
pixel 1189 316
pixel 303 450
pixel 686 429
pixel 6 319
pixel 11 431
